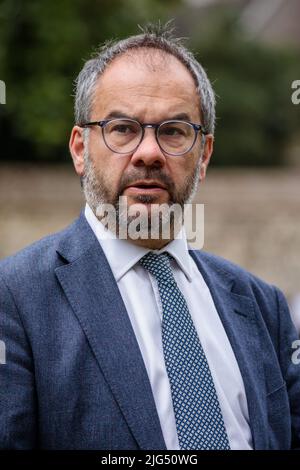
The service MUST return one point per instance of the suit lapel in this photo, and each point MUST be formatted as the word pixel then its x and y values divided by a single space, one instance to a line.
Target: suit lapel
pixel 91 289
pixel 238 317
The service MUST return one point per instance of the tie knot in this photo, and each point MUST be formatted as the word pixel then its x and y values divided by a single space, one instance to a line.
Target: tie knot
pixel 158 265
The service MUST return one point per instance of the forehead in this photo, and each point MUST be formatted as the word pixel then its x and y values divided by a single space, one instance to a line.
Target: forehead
pixel 146 83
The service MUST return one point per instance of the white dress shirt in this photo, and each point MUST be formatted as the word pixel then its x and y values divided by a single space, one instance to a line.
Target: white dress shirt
pixel 140 294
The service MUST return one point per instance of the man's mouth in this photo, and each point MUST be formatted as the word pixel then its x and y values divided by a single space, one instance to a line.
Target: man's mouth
pixel 146 187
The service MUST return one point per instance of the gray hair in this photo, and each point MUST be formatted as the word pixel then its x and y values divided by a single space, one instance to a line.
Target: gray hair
pixel 155 36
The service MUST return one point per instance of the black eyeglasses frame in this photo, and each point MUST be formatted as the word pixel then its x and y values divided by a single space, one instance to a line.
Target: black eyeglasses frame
pixel 197 128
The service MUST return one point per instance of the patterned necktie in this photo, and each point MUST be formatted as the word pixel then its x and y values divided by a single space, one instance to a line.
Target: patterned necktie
pixel 199 420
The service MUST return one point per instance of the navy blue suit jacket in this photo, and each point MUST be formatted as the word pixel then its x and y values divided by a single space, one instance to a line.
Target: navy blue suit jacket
pixel 74 376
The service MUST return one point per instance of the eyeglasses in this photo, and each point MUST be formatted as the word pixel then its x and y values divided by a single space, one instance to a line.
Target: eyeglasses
pixel 123 136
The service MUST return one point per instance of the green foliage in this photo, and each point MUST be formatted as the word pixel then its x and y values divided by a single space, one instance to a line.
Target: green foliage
pixel 43 45
pixel 42 48
pixel 255 116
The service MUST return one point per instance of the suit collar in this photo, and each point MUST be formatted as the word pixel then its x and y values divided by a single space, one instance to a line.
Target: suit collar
pixel 76 240
pixel 213 272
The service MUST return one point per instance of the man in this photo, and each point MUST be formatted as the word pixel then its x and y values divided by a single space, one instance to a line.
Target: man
pixel 136 342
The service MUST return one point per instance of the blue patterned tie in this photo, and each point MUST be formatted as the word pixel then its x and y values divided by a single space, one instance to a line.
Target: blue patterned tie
pixel 199 420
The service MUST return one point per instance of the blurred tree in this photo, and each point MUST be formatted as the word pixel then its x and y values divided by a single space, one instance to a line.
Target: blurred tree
pixel 256 119
pixel 42 47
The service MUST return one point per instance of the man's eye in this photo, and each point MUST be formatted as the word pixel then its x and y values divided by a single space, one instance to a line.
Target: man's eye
pixel 173 131
pixel 122 129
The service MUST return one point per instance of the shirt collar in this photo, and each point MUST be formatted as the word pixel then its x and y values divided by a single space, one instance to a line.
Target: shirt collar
pixel 122 255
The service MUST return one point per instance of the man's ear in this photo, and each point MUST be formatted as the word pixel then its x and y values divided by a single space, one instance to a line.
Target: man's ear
pixel 76 146
pixel 207 153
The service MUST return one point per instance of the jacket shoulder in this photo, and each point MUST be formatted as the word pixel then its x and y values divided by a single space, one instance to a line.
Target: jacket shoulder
pixel 38 257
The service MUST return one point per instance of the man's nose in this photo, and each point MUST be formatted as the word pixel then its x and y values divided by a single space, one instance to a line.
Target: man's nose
pixel 148 152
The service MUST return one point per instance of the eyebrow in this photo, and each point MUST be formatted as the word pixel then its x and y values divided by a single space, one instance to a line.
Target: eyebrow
pixel 121 115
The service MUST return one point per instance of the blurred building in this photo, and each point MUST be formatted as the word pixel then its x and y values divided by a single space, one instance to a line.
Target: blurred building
pixel 273 21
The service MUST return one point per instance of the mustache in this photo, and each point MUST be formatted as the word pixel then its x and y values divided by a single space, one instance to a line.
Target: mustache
pixel 153 174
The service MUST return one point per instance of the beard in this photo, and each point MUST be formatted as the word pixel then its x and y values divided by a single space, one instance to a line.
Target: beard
pixel 99 193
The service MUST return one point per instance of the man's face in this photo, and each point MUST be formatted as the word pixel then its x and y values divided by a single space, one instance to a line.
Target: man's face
pixel 149 90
